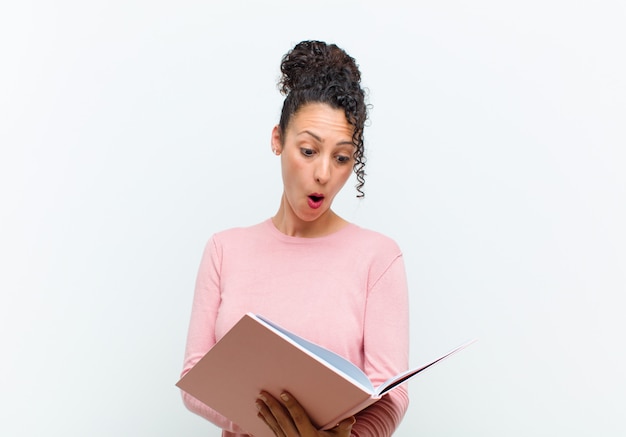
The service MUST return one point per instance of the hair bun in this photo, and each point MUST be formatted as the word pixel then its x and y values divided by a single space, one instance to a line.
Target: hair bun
pixel 315 64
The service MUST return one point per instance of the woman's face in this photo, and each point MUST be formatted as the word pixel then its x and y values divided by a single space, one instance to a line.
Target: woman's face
pixel 317 159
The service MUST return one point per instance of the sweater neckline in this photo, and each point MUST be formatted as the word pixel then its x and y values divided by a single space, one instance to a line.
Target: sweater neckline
pixel 291 239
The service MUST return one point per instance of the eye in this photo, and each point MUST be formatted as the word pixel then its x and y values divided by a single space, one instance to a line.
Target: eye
pixel 343 159
pixel 307 152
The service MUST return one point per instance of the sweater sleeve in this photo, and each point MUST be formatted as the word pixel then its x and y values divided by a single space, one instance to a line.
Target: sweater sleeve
pixel 386 341
pixel 201 334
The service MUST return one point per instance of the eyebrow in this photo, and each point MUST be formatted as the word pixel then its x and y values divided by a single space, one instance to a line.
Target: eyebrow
pixel 318 138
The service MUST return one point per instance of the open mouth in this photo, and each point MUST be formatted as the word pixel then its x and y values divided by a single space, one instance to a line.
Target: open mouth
pixel 315 200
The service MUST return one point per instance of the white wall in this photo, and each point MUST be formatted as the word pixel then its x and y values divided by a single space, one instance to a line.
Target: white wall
pixel 130 131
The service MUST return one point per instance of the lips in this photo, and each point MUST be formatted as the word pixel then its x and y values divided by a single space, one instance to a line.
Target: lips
pixel 315 200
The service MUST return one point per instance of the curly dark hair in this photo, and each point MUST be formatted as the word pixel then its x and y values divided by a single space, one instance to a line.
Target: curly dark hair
pixel 316 72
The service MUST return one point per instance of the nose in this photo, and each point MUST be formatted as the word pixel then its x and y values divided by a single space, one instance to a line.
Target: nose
pixel 322 171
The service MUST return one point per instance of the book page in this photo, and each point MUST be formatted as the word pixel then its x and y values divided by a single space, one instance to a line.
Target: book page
pixel 344 366
pixel 399 379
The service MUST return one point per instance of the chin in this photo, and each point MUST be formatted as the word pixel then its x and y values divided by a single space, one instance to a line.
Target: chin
pixel 318 214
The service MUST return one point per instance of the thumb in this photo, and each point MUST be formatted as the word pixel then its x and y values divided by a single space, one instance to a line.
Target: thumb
pixel 346 424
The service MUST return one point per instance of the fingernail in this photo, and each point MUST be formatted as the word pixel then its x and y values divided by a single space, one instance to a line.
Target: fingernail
pixel 263 398
pixel 284 397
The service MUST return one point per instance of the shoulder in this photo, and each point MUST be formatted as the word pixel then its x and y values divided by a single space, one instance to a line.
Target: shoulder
pixel 238 232
pixel 238 236
pixel 372 240
pixel 375 253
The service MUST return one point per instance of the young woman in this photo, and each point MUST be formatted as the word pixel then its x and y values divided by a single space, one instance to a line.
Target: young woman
pixel 306 268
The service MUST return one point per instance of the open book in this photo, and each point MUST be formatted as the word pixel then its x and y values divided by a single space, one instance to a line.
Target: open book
pixel 257 354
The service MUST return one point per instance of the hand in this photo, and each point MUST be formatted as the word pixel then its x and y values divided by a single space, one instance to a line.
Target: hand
pixel 287 418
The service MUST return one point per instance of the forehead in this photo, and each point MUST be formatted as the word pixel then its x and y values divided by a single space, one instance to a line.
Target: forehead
pixel 322 119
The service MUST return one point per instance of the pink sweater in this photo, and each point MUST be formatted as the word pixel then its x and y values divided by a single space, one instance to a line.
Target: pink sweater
pixel 346 291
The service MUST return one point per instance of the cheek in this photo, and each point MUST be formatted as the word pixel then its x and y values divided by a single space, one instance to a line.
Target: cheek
pixel 342 178
pixel 292 170
pixel 345 174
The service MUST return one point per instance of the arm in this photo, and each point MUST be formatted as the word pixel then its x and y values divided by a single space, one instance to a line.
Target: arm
pixel 201 334
pixel 386 347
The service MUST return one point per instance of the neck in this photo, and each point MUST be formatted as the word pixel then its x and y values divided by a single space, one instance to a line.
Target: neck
pixel 287 222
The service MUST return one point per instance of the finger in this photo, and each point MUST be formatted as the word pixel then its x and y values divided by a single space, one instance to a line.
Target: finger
pixel 277 416
pixel 345 426
pixel 299 416
pixel 267 416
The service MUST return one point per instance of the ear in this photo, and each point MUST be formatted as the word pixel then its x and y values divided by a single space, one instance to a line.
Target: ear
pixel 277 143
